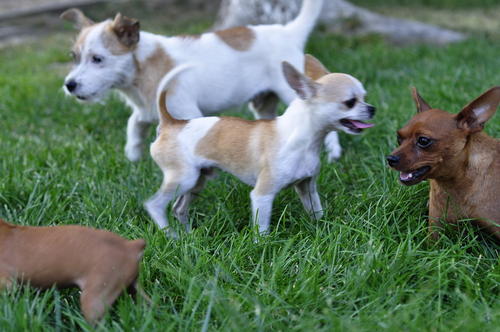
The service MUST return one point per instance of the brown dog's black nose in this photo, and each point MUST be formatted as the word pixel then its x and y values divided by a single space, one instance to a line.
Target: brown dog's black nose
pixel 392 160
pixel 71 85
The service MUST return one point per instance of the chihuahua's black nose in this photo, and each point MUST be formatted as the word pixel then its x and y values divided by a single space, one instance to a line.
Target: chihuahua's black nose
pixel 371 110
pixel 392 160
pixel 71 85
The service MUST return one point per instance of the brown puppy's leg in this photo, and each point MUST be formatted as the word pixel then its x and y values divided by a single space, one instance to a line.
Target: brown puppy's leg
pixel 97 297
pixel 263 105
pixel 434 227
pixel 5 282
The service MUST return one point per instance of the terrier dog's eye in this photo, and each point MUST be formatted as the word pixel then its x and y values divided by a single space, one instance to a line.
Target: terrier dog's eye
pixel 74 56
pixel 424 142
pixel 96 59
pixel 350 103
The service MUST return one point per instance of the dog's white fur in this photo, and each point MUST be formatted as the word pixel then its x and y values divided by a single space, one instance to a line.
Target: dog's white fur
pixel 225 75
pixel 269 155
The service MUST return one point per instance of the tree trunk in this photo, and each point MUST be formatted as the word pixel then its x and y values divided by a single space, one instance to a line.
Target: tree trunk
pixel 339 16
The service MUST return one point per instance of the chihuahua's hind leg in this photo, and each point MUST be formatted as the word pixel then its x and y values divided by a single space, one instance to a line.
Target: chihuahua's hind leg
pixel 262 197
pixel 308 193
pixel 181 205
pixel 174 184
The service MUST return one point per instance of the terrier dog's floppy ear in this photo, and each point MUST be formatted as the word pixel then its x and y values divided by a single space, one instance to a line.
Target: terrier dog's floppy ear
pixel 77 17
pixel 126 29
pixel 313 68
pixel 473 116
pixel 421 104
pixel 304 86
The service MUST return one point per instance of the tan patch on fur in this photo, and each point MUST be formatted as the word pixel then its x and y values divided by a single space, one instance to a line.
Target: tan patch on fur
pixel 238 38
pixel 165 150
pixel 313 68
pixel 111 42
pixel 335 87
pixel 240 146
pixel 81 39
pixel 151 71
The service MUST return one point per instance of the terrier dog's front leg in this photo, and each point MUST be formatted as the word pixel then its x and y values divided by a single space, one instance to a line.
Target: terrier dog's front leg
pixel 308 193
pixel 332 146
pixel 137 130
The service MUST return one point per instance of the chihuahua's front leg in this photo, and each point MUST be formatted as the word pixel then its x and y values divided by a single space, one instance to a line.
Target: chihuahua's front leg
pixel 308 193
pixel 332 145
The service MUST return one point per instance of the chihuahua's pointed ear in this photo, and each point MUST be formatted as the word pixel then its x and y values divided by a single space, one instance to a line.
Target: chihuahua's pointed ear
pixel 313 68
pixel 126 29
pixel 303 86
pixel 421 104
pixel 77 17
pixel 473 116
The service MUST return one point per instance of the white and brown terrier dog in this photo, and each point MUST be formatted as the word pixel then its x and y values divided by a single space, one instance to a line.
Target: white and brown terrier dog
pixel 232 67
pixel 269 155
pixel 102 264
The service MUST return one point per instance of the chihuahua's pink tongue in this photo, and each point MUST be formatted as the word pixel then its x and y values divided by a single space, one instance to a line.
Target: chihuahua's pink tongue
pixel 405 176
pixel 361 125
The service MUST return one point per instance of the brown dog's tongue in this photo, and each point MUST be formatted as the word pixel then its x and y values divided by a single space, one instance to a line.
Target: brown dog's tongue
pixel 361 124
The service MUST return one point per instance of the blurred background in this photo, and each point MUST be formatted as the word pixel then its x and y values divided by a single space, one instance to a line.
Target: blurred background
pixel 27 19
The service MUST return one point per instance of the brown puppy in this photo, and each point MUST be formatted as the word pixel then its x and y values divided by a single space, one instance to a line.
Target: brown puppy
pixel 100 263
pixel 462 162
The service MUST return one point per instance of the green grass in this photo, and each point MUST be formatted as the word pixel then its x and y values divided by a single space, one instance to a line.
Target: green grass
pixel 365 266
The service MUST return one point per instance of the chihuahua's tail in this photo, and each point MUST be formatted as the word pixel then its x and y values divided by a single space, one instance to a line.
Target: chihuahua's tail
pixel 161 94
pixel 303 24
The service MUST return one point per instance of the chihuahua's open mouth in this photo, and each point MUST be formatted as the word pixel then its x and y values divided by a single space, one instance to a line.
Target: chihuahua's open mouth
pixel 413 177
pixel 355 125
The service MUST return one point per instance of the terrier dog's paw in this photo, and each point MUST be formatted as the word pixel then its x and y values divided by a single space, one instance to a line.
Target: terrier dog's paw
pixel 133 153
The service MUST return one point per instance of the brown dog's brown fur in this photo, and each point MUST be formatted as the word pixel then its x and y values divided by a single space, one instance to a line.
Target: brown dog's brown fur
pixel 464 162
pixel 102 264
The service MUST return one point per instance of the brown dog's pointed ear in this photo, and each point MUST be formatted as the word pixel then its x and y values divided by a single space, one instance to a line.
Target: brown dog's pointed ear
pixel 313 68
pixel 77 17
pixel 303 86
pixel 421 104
pixel 126 29
pixel 473 116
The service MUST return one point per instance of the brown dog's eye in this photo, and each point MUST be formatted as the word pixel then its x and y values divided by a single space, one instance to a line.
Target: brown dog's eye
pixel 424 142
pixel 399 139
pixel 350 103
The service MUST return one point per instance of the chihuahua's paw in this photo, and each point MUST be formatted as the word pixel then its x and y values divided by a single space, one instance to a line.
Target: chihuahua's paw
pixel 133 153
pixel 333 148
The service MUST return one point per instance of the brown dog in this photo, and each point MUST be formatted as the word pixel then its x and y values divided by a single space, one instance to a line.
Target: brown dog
pixel 100 263
pixel 462 162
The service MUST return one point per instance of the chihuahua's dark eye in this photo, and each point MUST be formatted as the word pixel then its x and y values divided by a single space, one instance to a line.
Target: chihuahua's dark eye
pixel 96 59
pixel 399 139
pixel 424 142
pixel 350 103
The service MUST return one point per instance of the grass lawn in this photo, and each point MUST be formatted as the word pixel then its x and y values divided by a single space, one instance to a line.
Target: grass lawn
pixel 365 266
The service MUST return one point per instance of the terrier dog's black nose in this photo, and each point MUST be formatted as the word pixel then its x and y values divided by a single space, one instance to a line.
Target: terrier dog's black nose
pixel 392 160
pixel 71 85
pixel 371 110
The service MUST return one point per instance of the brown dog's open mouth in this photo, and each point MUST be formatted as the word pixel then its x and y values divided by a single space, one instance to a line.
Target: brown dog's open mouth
pixel 355 125
pixel 413 177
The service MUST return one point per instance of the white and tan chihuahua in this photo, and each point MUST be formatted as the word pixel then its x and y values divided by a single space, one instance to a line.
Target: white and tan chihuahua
pixel 269 155
pixel 232 67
